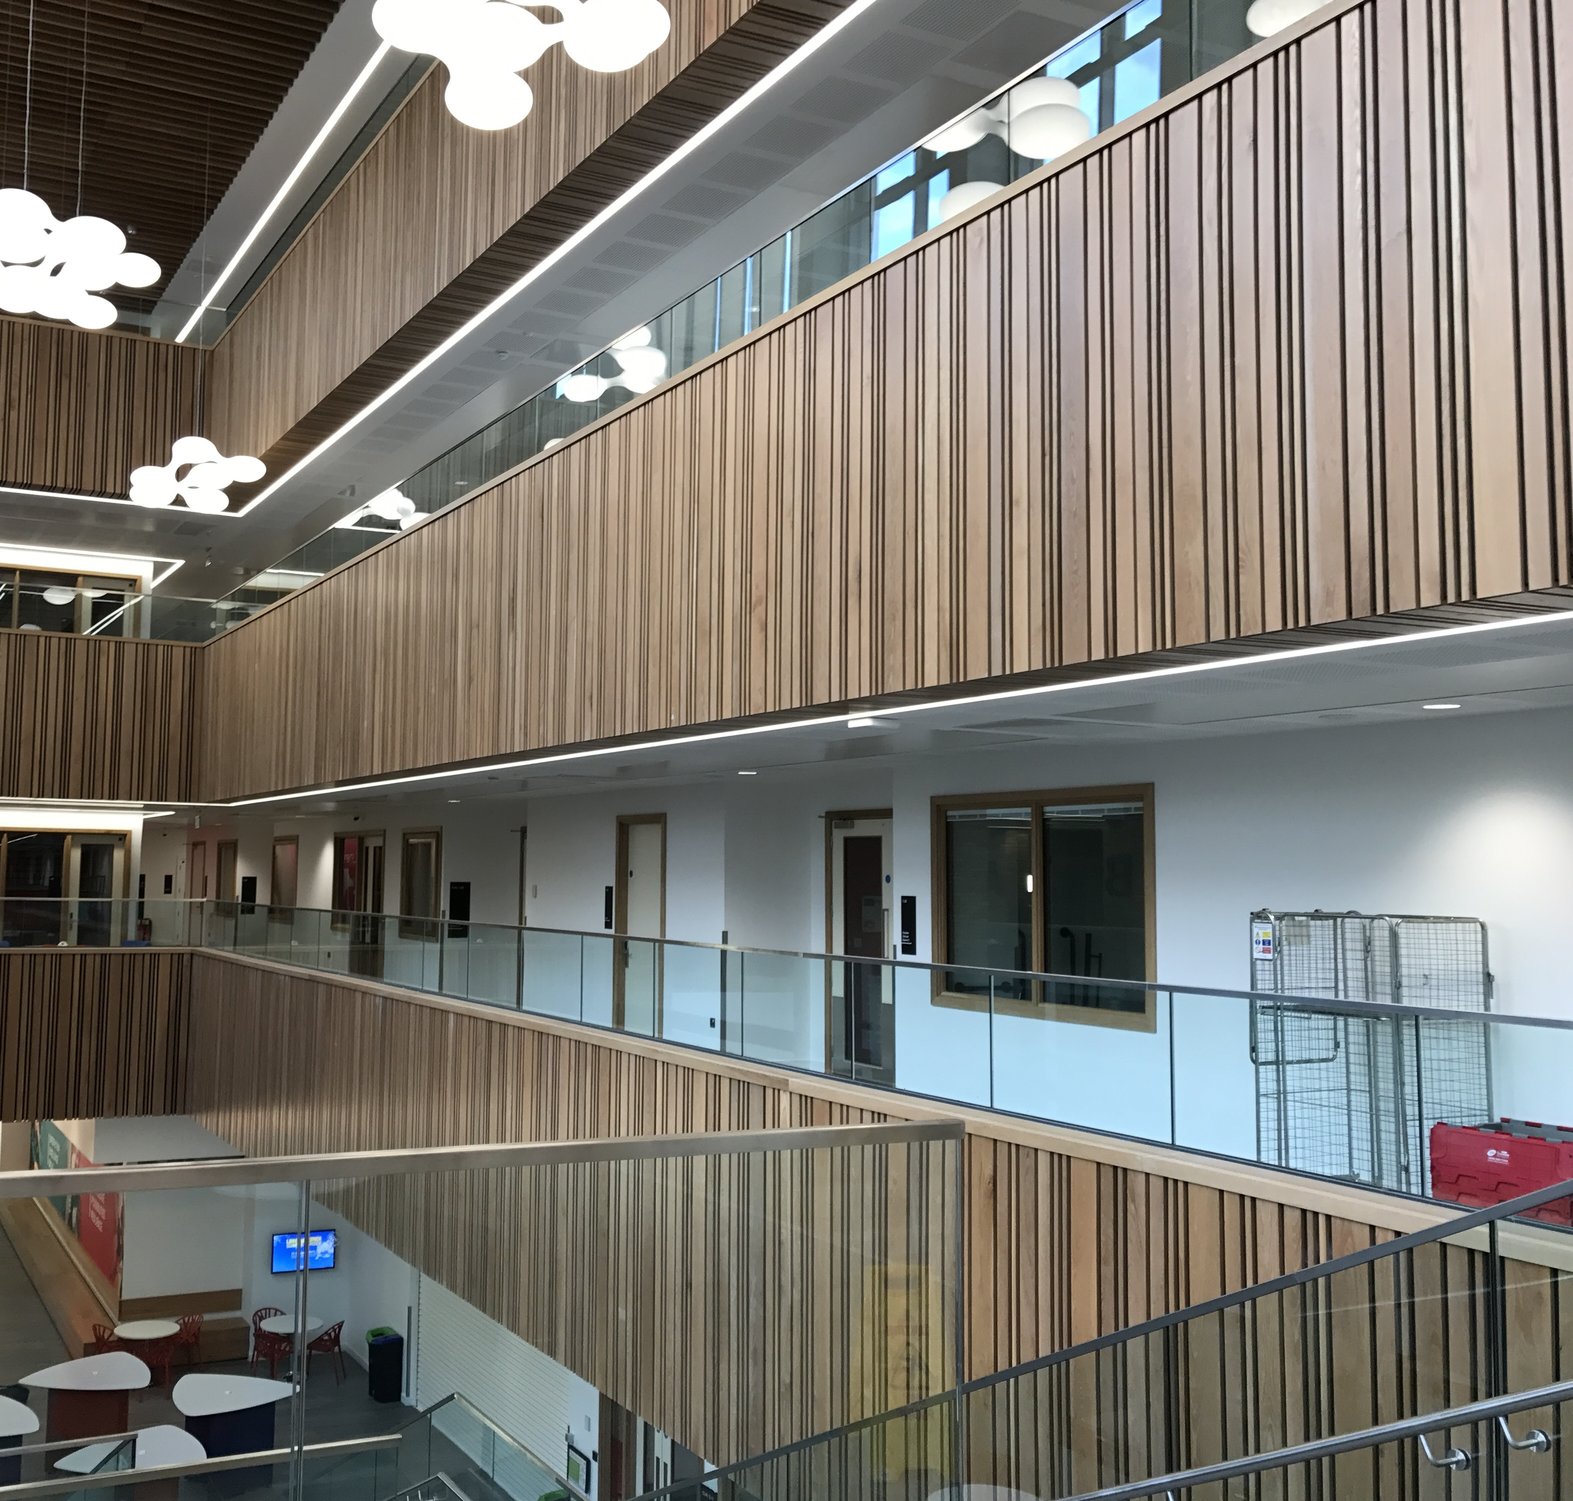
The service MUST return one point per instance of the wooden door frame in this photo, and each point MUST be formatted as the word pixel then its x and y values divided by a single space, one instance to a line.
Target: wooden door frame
pixel 273 904
pixel 626 821
pixel 830 818
pixel 218 859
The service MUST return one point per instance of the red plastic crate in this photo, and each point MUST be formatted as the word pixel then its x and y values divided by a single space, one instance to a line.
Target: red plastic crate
pixel 1491 1163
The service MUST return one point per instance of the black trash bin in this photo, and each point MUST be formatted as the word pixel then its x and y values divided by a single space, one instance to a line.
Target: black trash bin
pixel 384 1364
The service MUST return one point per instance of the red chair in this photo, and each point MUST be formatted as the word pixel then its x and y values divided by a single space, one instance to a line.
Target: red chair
pixel 105 1340
pixel 269 1347
pixel 327 1343
pixel 190 1337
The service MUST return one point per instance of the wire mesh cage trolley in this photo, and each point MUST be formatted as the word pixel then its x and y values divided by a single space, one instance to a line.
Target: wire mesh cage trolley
pixel 1355 1097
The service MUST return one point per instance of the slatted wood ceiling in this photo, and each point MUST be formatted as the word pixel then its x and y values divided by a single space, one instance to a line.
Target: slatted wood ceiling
pixel 352 306
pixel 88 717
pixel 173 97
pixel 82 410
pixel 88 1033
pixel 1291 352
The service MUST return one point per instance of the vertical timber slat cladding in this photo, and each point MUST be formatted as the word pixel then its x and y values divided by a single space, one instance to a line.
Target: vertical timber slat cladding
pixel 93 717
pixel 86 1032
pixel 356 301
pixel 1068 1237
pixel 1280 355
pixel 80 410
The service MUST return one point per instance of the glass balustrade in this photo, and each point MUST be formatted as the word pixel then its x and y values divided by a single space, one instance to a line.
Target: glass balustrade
pixel 1371 1094
pixel 304 1306
pixel 111 610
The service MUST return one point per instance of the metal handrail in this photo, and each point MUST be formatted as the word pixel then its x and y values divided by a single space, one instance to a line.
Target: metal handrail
pixel 1345 1443
pixel 230 1172
pixel 1274 998
pixel 458 1399
pixel 107 1479
pixel 1383 1250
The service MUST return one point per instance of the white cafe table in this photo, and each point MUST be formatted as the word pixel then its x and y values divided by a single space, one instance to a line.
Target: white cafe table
pixel 162 1445
pixel 229 1414
pixel 90 1396
pixel 17 1421
pixel 284 1323
pixel 147 1329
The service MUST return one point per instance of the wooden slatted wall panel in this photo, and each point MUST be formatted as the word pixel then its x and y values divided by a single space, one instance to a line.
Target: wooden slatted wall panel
pixel 357 301
pixel 88 717
pixel 81 410
pixel 88 1032
pixel 1292 352
pixel 1061 1247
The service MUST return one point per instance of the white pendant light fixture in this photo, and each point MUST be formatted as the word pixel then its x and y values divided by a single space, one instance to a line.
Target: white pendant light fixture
pixel 486 44
pixel 1041 118
pixel 641 367
pixel 62 594
pixel 56 268
pixel 208 475
pixel 1268 17
pixel 391 505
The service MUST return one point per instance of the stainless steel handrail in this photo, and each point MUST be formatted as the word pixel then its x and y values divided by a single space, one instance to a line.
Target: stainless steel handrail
pixel 458 1399
pixel 105 1480
pixel 1345 1443
pixel 231 1172
pixel 1264 997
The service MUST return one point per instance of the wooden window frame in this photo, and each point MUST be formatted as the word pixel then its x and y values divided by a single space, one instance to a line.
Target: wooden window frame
pixel 1145 1020
pixel 426 929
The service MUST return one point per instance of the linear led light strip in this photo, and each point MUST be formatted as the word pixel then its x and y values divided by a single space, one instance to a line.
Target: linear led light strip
pixel 572 243
pixel 1189 669
pixel 76 556
pixel 284 188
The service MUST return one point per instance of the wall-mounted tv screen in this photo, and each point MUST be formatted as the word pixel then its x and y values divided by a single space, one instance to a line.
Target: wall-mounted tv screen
pixel 321 1251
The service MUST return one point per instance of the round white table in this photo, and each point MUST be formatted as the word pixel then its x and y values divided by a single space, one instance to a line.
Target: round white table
pixel 17 1419
pixel 164 1444
pixel 284 1323
pixel 147 1329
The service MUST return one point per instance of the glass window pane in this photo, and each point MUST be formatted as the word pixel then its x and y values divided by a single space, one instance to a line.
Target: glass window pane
pixel 1139 17
pixel 1136 81
pixel 1095 899
pixel 988 895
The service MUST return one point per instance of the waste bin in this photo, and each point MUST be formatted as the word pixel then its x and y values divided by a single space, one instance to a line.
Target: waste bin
pixel 384 1364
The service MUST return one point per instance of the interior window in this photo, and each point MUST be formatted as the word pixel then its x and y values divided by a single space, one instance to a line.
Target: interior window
pixel 1054 883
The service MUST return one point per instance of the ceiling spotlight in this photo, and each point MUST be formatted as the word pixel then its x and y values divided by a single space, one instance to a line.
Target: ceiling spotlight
pixel 55 268
pixel 1040 117
pixel 208 476
pixel 641 368
pixel 486 44
pixel 748 773
pixel 1269 17
pixel 1441 706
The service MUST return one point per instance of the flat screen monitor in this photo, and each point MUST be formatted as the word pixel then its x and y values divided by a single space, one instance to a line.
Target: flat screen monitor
pixel 321 1252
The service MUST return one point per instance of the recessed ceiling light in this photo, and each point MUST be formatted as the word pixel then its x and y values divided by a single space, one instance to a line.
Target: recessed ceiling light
pixel 454 800
pixel 748 773
pixel 1442 706
pixel 869 722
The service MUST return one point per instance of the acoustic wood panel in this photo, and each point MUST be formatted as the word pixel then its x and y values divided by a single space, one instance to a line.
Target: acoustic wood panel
pixel 90 717
pixel 357 300
pixel 82 410
pixel 1291 351
pixel 87 1032
pixel 1068 1236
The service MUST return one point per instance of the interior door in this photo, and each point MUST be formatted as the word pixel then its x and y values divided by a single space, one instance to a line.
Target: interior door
pixel 640 912
pixel 228 870
pixel 97 867
pixel 862 1032
pixel 197 873
pixel 366 924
